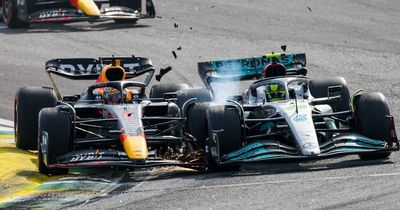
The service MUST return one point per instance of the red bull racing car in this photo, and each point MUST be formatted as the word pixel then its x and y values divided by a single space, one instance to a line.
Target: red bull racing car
pixel 113 122
pixel 20 13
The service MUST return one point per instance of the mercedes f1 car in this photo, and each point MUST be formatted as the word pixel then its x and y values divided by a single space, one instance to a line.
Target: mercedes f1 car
pixel 283 115
pixel 20 13
pixel 113 122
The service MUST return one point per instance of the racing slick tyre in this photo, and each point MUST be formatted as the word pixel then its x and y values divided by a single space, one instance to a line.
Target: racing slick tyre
pixel 319 89
pixel 197 123
pixel 27 105
pixel 224 132
pixel 201 95
pixel 195 112
pixel 158 90
pixel 55 129
pixel 371 111
pixel 11 13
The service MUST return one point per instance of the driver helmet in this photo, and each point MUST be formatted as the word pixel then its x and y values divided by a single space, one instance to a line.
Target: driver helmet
pixel 275 92
pixel 111 96
pixel 274 70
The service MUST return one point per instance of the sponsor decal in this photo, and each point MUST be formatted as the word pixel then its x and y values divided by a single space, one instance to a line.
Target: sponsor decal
pixel 53 13
pixel 87 156
pixel 93 68
pixel 293 107
pixel 309 145
pixel 300 118
pixel 250 63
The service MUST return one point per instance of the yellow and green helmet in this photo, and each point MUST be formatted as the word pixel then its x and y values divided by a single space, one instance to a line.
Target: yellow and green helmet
pixel 275 92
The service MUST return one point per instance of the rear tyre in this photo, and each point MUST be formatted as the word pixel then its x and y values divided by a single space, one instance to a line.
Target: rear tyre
pixel 371 110
pixel 11 13
pixel 224 122
pixel 319 89
pixel 55 139
pixel 202 95
pixel 158 90
pixel 27 105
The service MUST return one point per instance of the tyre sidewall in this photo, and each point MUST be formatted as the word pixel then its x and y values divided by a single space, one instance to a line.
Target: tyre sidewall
pixel 225 118
pixel 371 111
pixel 27 105
pixel 55 137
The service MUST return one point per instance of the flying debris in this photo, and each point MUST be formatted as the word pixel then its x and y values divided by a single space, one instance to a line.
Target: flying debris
pixel 163 72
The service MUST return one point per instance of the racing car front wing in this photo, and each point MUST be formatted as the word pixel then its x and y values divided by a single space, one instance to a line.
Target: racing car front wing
pixel 68 15
pixel 343 144
pixel 116 158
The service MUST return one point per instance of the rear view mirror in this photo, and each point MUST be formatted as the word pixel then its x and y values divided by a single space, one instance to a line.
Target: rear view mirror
pixel 292 93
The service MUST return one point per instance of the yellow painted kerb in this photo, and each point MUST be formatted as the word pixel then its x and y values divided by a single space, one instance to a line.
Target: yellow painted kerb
pixel 18 175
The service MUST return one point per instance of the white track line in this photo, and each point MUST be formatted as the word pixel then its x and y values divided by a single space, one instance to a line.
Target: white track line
pixel 274 182
pixel 6 123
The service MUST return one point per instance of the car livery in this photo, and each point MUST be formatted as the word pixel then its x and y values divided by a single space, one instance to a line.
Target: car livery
pixel 315 118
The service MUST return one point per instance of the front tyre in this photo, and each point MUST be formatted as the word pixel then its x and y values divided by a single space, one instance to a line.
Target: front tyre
pixel 11 13
pixel 224 132
pixel 196 123
pixel 55 139
pixel 371 111
pixel 27 105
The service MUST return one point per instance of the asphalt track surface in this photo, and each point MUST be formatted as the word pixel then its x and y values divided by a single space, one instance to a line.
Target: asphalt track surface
pixel 356 39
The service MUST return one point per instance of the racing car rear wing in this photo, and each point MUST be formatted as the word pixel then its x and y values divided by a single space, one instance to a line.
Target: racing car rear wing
pixel 90 68
pixel 247 68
